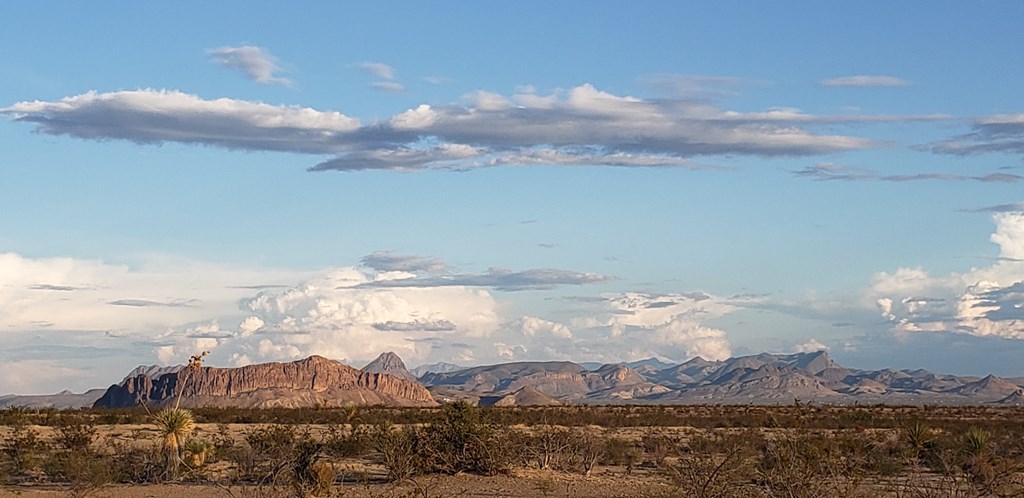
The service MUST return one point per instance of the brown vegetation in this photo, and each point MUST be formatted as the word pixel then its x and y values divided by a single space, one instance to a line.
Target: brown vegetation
pixel 703 451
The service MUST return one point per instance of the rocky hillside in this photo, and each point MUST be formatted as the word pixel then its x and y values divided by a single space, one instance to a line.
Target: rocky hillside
pixel 309 382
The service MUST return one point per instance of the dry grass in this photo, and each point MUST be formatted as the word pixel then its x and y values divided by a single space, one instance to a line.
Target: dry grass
pixel 760 451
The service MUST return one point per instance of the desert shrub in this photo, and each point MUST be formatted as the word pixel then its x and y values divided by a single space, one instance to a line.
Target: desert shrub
pixel 657 447
pixel 587 449
pixel 547 446
pixel 397 450
pixel 15 416
pixel 990 475
pixel 270 454
pixel 309 476
pixel 134 465
pixel 341 443
pixel 623 452
pixel 75 433
pixel 24 449
pixel 807 465
pixel 459 442
pixel 716 464
pixel 84 472
pixel 275 442
pixel 223 443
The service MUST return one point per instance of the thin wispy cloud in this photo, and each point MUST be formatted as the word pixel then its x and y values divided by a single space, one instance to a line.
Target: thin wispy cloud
pixel 689 86
pixel 998 208
pixel 388 86
pixel 387 261
pixel 378 69
pixel 145 303
pixel 840 172
pixel 416 326
pixel 861 81
pixel 498 279
pixel 435 80
pixel 1000 133
pixel 59 288
pixel 255 62
pixel 386 74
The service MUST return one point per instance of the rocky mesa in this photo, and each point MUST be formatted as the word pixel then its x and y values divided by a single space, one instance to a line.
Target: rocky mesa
pixel 309 382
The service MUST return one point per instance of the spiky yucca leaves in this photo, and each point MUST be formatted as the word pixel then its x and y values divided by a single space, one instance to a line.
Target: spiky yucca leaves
pixel 976 441
pixel 918 436
pixel 174 425
pixel 196 451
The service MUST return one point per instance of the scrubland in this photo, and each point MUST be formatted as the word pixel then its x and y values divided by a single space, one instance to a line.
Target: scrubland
pixel 796 450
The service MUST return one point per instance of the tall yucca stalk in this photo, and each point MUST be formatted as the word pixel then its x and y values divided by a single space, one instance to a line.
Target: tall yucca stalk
pixel 175 425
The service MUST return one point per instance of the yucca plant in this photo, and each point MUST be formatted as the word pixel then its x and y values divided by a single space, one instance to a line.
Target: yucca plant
pixel 174 425
pixel 918 435
pixel 196 451
pixel 976 441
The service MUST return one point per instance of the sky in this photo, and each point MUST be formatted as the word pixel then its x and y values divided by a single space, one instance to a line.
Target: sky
pixel 478 183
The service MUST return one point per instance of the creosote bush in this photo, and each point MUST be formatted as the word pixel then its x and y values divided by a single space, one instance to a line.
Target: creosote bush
pixel 458 442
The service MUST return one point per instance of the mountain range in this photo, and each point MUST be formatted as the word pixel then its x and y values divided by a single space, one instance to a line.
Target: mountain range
pixel 755 379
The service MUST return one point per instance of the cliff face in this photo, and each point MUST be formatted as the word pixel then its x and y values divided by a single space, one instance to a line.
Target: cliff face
pixel 314 380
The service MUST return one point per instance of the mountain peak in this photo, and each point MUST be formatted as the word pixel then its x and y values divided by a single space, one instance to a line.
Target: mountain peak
pixel 391 364
pixel 1015 399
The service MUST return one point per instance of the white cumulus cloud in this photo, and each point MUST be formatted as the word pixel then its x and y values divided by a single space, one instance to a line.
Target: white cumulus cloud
pixel 810 346
pixel 984 301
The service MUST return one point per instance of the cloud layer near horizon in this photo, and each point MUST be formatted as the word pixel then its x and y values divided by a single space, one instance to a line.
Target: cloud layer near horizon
pixel 582 125
pixel 426 311
pixel 390 302
pixel 986 301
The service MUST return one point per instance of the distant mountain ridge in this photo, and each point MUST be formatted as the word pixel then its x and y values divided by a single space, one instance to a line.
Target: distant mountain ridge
pixel 61 401
pixel 753 379
pixel 439 367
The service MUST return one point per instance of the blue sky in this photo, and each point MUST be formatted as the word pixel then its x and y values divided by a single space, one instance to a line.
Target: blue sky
pixel 475 183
